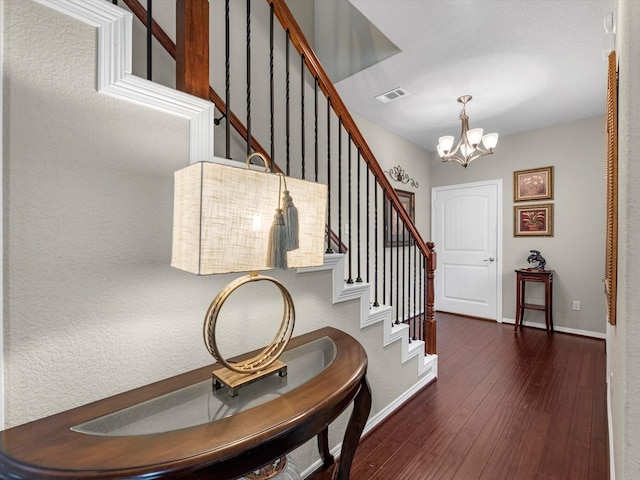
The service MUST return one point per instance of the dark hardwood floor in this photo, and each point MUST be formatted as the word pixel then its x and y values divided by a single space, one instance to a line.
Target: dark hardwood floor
pixel 505 406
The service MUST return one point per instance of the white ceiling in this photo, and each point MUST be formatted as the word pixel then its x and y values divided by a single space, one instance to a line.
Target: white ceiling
pixel 527 64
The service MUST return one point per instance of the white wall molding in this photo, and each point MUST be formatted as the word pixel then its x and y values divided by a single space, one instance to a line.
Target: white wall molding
pixel 114 76
pixel 573 331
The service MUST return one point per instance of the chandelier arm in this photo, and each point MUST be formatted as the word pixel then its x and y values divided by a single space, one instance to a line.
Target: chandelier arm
pixel 453 158
pixel 482 154
pixel 464 128
pixel 484 150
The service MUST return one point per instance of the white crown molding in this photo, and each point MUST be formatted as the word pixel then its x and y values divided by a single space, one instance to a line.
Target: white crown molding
pixel 114 76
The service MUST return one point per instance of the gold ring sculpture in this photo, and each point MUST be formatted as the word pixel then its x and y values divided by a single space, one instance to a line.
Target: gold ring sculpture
pixel 271 353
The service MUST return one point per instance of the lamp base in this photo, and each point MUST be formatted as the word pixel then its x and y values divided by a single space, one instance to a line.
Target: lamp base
pixel 223 377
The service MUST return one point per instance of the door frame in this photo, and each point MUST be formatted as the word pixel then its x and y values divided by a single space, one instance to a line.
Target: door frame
pixel 499 227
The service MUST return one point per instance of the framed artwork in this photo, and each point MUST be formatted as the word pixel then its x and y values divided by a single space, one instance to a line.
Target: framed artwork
pixel 533 220
pixel 395 235
pixel 534 184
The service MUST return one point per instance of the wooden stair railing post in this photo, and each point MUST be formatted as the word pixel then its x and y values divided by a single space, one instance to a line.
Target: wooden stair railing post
pixel 192 47
pixel 430 320
pixel 163 39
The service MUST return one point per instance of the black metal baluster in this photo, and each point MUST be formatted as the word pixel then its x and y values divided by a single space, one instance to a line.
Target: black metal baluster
pixel 350 227
pixel 271 85
pixel 339 184
pixel 415 276
pixel 424 297
pixel 288 104
pixel 375 240
pixel 149 38
pixel 227 53
pixel 248 77
pixel 315 113
pixel 397 265
pixel 304 131
pixel 329 249
pixel 404 249
pixel 359 277
pixel 418 295
pixel 408 285
pixel 385 214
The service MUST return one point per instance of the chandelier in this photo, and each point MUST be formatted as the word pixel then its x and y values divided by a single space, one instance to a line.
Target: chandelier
pixel 472 143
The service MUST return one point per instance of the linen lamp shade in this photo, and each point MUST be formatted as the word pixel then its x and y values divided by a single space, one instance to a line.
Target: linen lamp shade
pixel 223 215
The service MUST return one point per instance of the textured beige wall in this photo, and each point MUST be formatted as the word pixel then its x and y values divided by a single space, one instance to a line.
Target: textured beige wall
pixel 624 339
pixel 92 306
pixel 576 151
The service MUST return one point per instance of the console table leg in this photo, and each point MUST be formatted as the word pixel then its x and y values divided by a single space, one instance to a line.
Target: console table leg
pixel 323 448
pixel 357 421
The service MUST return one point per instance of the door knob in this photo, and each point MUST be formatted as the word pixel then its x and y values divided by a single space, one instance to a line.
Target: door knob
pixel 490 259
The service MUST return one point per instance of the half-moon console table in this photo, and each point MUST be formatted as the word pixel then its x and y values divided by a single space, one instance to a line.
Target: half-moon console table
pixel 182 428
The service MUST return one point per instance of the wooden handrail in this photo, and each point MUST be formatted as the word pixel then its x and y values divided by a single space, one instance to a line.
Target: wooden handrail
pixel 288 22
pixel 299 41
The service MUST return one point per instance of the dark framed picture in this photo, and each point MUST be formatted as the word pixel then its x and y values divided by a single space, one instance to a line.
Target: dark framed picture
pixel 534 184
pixel 395 234
pixel 533 220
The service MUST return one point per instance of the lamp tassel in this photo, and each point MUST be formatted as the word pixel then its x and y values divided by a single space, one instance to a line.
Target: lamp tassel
pixel 290 220
pixel 277 248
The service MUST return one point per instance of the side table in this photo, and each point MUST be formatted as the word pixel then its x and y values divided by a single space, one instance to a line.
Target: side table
pixel 541 276
pixel 182 428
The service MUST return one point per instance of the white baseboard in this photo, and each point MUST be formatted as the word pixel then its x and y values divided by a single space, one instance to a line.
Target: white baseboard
pixel 573 331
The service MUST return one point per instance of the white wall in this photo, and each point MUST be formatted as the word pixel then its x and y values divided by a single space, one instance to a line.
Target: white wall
pixel 576 151
pixel 623 347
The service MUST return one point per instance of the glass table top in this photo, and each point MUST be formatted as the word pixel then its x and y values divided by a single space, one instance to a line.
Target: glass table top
pixel 200 403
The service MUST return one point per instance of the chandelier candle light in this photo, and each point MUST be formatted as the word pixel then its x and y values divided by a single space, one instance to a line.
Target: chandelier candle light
pixel 472 144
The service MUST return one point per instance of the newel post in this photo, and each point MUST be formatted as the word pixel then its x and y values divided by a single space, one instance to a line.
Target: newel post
pixel 192 47
pixel 430 320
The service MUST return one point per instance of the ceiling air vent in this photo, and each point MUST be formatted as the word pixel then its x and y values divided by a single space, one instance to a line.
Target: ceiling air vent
pixel 392 95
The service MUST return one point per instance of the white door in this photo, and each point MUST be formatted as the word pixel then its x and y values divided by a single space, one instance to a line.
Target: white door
pixel 467 230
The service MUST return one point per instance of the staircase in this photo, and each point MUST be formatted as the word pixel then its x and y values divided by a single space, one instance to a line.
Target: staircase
pixel 394 312
pixel 362 269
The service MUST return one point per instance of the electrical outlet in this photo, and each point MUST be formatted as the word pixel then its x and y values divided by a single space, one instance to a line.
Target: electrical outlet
pixel 576 305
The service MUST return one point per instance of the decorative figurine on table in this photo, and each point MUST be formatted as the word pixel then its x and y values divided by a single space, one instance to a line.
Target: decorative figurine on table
pixel 536 257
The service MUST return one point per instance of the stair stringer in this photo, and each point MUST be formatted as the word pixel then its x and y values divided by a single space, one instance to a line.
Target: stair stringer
pixel 370 315
pixel 114 77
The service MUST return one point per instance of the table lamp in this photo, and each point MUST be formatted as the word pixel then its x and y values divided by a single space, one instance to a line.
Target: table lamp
pixel 231 219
